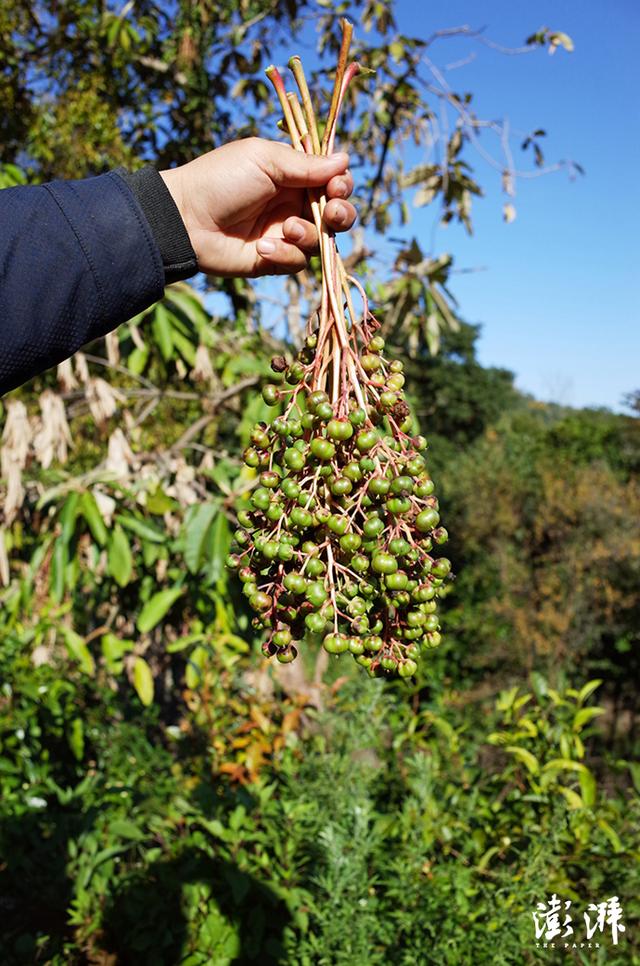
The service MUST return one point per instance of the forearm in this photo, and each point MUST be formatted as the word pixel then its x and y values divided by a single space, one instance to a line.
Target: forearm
pixel 76 259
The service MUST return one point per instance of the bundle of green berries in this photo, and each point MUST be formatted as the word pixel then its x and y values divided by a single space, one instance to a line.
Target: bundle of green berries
pixel 338 539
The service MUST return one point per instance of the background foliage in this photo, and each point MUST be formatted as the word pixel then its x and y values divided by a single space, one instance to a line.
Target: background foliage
pixel 166 797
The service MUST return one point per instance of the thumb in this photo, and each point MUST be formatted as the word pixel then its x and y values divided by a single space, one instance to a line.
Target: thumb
pixel 295 169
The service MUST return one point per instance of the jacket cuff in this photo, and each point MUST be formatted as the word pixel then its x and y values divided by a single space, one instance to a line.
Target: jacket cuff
pixel 178 257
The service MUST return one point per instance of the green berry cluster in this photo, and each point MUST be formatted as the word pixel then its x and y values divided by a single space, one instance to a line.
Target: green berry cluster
pixel 338 538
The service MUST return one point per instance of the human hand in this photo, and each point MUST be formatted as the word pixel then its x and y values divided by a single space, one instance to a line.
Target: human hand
pixel 245 206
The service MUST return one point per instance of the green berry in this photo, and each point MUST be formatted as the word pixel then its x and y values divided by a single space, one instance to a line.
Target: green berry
pixel 251 457
pixel 338 523
pixel 427 520
pixel 350 542
pixel 366 440
pixel 384 563
pixel 378 486
pixel 324 411
pixel 322 449
pixel 315 622
pixel 396 581
pixel 301 518
pixel 359 563
pixel 336 643
pixel 316 594
pixel 340 429
pixel 315 567
pixel 290 488
pixel 407 669
pixel 441 567
pixel 261 498
pixel 270 394
pixel 260 601
pixel 341 486
pixel 398 547
pixel 372 526
pixel 294 459
pixel 352 472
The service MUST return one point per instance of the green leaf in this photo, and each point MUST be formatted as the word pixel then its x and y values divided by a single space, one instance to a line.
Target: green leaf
pixel 588 690
pixel 572 797
pixel 59 563
pixel 612 835
pixel 68 516
pixel 123 829
pixel 584 715
pixel 158 502
pixel 195 667
pixel 196 528
pixel 217 548
pixel 157 607
pixel 634 769
pixel 142 529
pixel 119 559
pixel 183 642
pixel 113 650
pixel 143 681
pixel 526 757
pixel 137 360
pixel 78 650
pixel 587 787
pixel 75 737
pixel 161 328
pixel 91 513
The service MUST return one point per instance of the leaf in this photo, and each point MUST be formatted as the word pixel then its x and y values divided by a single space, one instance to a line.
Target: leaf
pixel 396 49
pixel 526 757
pixel 588 787
pixel 183 642
pixel 75 738
pixel 143 681
pixel 79 650
pixel 68 516
pixel 161 328
pixel 584 715
pixel 612 835
pixel 137 360
pixel 91 513
pixel 142 528
pixel 113 649
pixel 196 528
pixel 588 690
pixel 158 502
pixel 217 547
pixel 59 563
pixel 157 607
pixel 572 797
pixel 119 559
pixel 122 828
pixel 195 667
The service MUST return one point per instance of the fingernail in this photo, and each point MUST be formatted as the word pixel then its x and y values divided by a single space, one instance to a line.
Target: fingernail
pixel 266 247
pixel 341 157
pixel 343 189
pixel 340 213
pixel 296 232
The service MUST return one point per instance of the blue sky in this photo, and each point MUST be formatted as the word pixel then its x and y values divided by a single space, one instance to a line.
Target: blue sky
pixel 557 292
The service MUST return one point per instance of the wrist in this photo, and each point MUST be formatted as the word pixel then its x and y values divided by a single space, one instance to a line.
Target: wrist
pixel 159 204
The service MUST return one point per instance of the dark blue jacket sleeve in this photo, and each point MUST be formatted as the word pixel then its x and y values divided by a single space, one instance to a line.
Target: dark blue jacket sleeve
pixel 77 258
